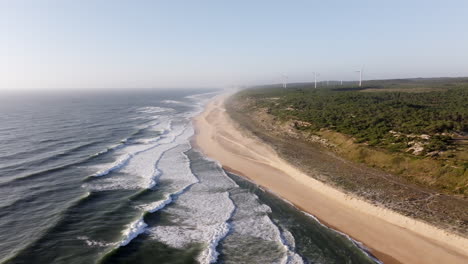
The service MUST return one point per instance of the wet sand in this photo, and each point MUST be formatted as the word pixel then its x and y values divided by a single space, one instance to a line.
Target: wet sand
pixel 392 237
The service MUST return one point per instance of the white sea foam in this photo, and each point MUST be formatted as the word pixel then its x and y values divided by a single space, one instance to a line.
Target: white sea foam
pixel 95 243
pixel 203 96
pixel 114 166
pixel 181 179
pixel 153 109
pixel 141 118
pixel 141 171
pixel 158 205
pixel 202 209
pixel 158 126
pixel 148 140
pixel 216 165
pixel 133 230
pixel 113 147
pixel 201 218
pixel 210 255
pixel 288 238
pixel 202 212
pixel 179 176
pixel 144 167
pixel 200 205
pixel 163 127
pixel 172 102
pixel 198 101
pixel 251 220
pixel 129 233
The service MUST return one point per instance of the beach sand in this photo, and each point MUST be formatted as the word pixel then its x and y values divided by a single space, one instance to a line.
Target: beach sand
pixel 391 237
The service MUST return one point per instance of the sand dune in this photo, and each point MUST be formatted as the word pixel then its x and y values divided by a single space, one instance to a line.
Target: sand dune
pixel 392 237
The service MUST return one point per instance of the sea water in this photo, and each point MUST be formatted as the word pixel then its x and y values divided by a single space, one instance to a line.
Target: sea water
pixel 113 178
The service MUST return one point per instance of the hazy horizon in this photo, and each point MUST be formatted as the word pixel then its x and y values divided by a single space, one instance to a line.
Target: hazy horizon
pixel 175 44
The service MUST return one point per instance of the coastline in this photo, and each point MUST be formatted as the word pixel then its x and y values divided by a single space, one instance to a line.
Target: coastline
pixel 392 237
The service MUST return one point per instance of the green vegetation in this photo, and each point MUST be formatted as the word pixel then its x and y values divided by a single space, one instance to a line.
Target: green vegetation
pixel 395 115
pixel 417 129
pixel 402 144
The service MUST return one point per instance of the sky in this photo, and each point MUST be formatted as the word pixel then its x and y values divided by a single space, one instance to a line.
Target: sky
pixel 89 44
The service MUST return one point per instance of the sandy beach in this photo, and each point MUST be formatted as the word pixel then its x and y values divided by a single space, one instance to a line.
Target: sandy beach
pixel 391 237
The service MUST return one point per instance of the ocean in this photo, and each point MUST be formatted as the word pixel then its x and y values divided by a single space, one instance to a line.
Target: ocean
pixel 113 178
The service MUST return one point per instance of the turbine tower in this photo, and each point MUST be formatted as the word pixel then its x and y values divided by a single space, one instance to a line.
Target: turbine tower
pixel 360 76
pixel 285 81
pixel 315 80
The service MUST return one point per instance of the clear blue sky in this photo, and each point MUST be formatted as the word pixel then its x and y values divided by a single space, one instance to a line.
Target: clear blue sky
pixel 126 44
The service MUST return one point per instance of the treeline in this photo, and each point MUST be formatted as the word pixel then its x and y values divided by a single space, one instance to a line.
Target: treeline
pixel 390 119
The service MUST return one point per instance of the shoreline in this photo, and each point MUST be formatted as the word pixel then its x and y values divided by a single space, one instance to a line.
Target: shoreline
pixel 370 252
pixel 391 237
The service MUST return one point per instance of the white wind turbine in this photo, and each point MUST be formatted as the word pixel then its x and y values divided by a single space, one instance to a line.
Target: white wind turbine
pixel 315 79
pixel 285 81
pixel 360 75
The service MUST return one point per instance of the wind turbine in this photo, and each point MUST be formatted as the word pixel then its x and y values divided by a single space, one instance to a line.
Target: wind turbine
pixel 360 75
pixel 315 79
pixel 285 81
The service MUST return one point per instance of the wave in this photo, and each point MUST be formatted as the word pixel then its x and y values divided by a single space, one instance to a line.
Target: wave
pixel 218 165
pixel 180 180
pixel 251 220
pixel 291 256
pixel 133 230
pixel 53 224
pixel 116 146
pixel 139 226
pixel 158 205
pixel 164 168
pixel 111 148
pixel 55 156
pixel 115 166
pixel 283 236
pixel 144 163
pixel 286 239
pixel 208 211
pixel 172 102
pixel 94 243
pixel 153 109
pixel 197 96
pixel 140 130
pixel 73 220
pixel 26 153
pixel 31 197
pixel 72 150
pixel 148 141
pixel 211 254
pixel 206 221
pixel 41 173
pixel 144 167
pixel 157 172
pixel 123 161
